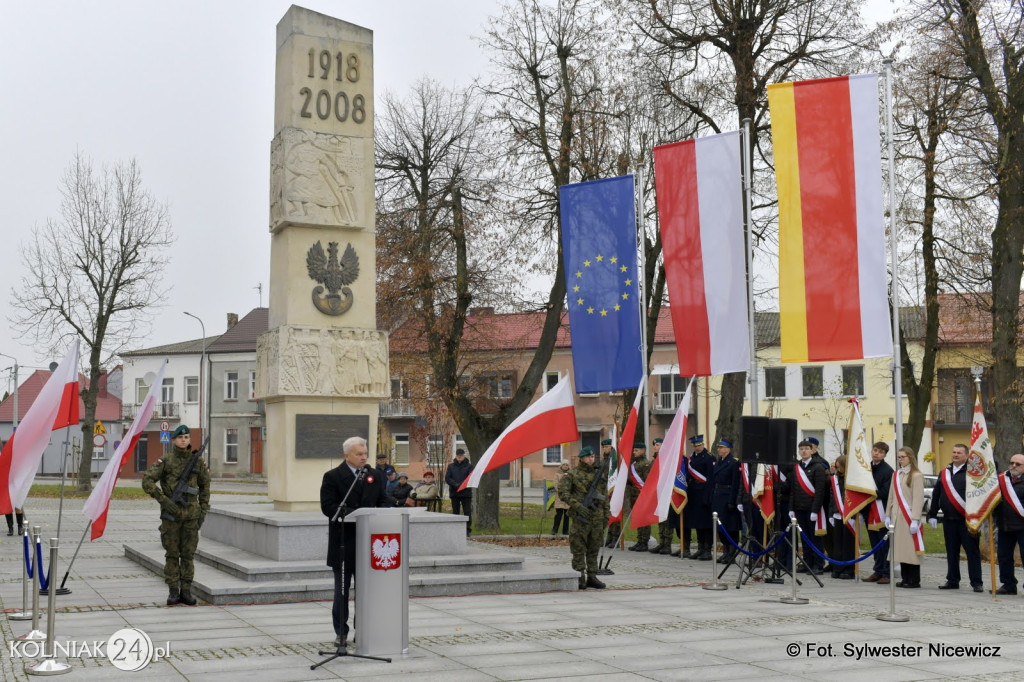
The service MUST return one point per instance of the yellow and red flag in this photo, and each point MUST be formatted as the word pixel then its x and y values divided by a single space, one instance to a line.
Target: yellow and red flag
pixel 832 273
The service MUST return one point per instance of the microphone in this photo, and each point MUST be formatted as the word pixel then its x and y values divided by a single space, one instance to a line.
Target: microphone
pixel 364 471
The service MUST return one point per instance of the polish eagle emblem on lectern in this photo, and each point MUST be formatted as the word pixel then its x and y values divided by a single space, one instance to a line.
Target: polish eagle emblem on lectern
pixel 385 552
pixel 334 275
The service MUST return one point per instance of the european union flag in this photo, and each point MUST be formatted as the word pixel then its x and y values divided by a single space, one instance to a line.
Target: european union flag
pixel 602 283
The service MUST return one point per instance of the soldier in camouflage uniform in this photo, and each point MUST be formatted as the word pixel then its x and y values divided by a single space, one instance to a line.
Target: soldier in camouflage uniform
pixel 587 524
pixel 641 466
pixel 180 536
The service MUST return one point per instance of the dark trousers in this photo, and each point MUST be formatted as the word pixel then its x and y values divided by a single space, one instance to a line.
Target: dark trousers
pixel 957 536
pixel 339 611
pixel 1008 540
pixel 561 516
pixel 881 558
pixel 464 505
pixel 911 573
pixel 807 527
pixel 842 547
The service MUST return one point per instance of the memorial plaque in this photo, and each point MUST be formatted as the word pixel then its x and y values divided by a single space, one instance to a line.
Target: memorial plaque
pixel 319 436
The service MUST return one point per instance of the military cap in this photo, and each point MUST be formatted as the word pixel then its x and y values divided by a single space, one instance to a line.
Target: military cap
pixel 808 441
pixel 587 451
pixel 606 441
pixel 639 446
pixel 180 431
pixel 697 440
pixel 659 440
pixel 725 443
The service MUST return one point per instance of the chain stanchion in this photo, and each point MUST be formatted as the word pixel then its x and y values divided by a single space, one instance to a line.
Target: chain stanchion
pixel 26 576
pixel 715 585
pixel 50 665
pixel 794 530
pixel 892 616
pixel 36 634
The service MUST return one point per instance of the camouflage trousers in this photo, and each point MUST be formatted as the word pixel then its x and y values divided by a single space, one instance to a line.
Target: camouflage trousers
pixel 585 543
pixel 180 539
pixel 665 532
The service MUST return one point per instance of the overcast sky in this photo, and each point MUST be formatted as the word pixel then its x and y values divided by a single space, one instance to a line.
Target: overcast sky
pixel 186 88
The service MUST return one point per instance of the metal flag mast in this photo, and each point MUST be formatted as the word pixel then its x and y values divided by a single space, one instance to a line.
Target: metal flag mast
pixel 747 165
pixel 897 374
pixel 641 276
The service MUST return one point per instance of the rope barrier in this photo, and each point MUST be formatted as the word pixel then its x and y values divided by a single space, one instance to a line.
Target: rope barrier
pixel 28 557
pixel 44 582
pixel 837 562
pixel 754 555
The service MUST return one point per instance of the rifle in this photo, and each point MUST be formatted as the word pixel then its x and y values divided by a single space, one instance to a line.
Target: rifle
pixel 183 488
pixel 602 474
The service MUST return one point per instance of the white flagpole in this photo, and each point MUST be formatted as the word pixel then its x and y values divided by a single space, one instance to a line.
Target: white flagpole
pixel 641 281
pixel 748 174
pixel 897 372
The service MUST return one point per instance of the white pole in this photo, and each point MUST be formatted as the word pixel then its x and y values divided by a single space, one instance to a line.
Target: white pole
pixel 748 226
pixel 897 374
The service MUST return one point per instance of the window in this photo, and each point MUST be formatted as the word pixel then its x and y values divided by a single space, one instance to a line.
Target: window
pixel 774 382
pixel 231 446
pixel 435 448
pixel 428 385
pixel 499 386
pixel 853 380
pixel 671 390
pixel 252 384
pixel 192 390
pixel 401 451
pixel 141 389
pixel 167 391
pixel 813 381
pixel 399 390
pixel 550 380
pixel 459 443
pixel 231 385
pixel 553 455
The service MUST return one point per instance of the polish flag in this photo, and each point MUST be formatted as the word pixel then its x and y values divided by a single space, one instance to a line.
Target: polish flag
pixel 549 421
pixel 54 408
pixel 625 457
pixel 653 502
pixel 700 206
pixel 98 504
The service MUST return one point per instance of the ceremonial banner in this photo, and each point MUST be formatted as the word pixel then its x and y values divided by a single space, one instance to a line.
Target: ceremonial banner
pixel 652 503
pixel 982 480
pixel 625 457
pixel 833 301
pixel 602 284
pixel 700 208
pixel 860 484
pixel 680 496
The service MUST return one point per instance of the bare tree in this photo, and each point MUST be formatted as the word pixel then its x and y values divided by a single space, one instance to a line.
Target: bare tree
pixel 94 272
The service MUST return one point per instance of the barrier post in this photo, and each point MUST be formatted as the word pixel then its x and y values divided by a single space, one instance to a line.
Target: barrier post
pixel 25 613
pixel 36 634
pixel 892 616
pixel 794 530
pixel 50 665
pixel 715 585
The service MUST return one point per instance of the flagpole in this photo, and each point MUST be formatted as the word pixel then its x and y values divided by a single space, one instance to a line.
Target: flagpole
pixel 897 372
pixel 72 562
pixel 747 166
pixel 642 277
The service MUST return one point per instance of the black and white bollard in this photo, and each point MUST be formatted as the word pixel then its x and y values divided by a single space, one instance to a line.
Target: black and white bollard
pixel 25 613
pixel 794 536
pixel 50 665
pixel 715 585
pixel 36 634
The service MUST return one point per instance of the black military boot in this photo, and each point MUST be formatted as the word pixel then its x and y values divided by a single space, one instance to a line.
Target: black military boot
pixel 174 597
pixel 592 581
pixel 583 582
pixel 657 549
pixel 685 552
pixel 667 549
pixel 10 528
pixel 186 595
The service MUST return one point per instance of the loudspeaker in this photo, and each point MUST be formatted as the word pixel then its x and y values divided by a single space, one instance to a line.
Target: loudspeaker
pixel 782 433
pixel 755 440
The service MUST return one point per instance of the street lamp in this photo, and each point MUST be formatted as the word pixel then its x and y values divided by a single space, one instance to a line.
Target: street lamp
pixel 202 367
pixel 15 426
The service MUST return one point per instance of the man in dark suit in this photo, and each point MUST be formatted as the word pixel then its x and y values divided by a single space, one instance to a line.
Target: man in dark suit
pixel 698 509
pixel 881 471
pixel 367 485
pixel 725 490
pixel 948 495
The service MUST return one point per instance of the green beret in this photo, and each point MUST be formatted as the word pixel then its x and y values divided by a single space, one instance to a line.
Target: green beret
pixel 606 441
pixel 180 431
pixel 659 440
pixel 587 451
pixel 639 446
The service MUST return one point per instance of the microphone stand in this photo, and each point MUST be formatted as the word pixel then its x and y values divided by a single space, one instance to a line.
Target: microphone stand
pixel 341 513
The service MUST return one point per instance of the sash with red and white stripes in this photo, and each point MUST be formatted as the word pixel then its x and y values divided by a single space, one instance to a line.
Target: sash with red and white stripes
pixel 634 476
pixel 904 505
pixel 841 504
pixel 698 476
pixel 746 477
pixel 1009 494
pixel 876 515
pixel 804 481
pixel 951 494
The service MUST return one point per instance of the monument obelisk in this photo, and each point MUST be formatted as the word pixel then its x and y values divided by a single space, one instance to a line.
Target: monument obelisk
pixel 323 366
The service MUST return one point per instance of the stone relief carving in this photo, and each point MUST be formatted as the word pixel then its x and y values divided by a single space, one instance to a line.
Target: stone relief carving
pixel 324 362
pixel 315 178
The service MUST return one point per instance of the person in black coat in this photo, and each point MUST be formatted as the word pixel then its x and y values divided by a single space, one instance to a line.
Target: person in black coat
pixel 400 493
pixel 725 489
pixel 954 525
pixel 462 500
pixel 882 472
pixel 698 507
pixel 367 486
pixel 1009 517
pixel 808 488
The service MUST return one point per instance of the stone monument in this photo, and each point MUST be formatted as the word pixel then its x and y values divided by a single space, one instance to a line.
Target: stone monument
pixel 323 366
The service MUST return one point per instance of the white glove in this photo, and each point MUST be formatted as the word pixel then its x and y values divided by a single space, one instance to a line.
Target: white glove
pixel 888 522
pixel 934 523
pixel 739 508
pixel 914 527
pixel 814 517
pixel 837 516
pixel 792 515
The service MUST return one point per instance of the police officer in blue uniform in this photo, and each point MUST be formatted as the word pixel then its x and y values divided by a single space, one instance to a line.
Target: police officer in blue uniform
pixel 725 490
pixel 698 508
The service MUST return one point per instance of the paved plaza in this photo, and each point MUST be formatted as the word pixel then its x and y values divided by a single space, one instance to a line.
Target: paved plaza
pixel 655 622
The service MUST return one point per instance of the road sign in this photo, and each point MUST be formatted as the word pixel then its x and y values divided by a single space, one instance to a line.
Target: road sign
pixel 165 426
pixel 99 440
pixel 165 437
pixel 99 427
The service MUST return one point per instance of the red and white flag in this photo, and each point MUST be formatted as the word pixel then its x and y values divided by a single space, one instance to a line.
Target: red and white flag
pixel 653 502
pixel 625 457
pixel 700 207
pixel 860 483
pixel 549 421
pixel 764 491
pixel 982 479
pixel 98 504
pixel 54 408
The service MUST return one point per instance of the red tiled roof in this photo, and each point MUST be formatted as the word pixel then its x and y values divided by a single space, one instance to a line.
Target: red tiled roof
pixel 966 318
pixel 108 407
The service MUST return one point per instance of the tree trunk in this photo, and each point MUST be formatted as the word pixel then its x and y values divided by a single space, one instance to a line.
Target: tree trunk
pixel 730 407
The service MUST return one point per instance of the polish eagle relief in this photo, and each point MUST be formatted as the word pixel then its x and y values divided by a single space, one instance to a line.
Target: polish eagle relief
pixel 334 275
pixel 385 552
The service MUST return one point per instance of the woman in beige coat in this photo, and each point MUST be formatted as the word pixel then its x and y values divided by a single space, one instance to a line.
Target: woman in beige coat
pixel 911 487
